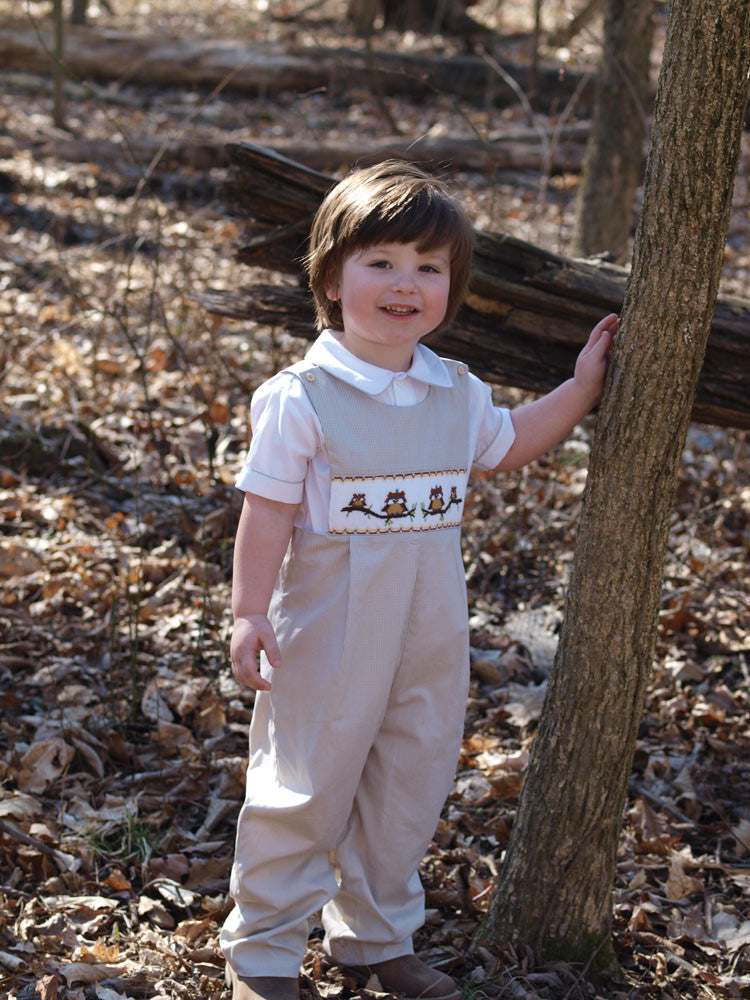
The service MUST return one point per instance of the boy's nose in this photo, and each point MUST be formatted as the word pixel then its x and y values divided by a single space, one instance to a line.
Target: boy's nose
pixel 403 280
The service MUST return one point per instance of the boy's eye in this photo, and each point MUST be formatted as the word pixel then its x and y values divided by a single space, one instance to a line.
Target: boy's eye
pixel 380 263
pixel 430 267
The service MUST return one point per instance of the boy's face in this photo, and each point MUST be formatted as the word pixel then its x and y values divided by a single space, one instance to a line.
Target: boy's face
pixel 391 296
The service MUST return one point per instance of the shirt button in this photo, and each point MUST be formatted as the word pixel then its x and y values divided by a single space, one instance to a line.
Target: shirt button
pixel 461 370
pixel 400 377
pixel 310 377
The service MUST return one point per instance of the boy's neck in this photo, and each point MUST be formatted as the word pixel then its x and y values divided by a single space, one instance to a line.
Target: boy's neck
pixel 392 359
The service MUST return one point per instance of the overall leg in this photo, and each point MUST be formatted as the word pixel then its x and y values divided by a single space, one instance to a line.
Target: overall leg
pixel 409 770
pixel 290 821
pixel 310 739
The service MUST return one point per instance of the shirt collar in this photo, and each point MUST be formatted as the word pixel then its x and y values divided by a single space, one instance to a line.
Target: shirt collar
pixel 333 357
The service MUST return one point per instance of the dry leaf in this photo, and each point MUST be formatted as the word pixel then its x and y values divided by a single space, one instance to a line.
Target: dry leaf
pixel 730 931
pixel 192 930
pixel 13 963
pixel 48 986
pixel 211 718
pixel 18 806
pixel 84 972
pixel 679 884
pixel 525 702
pixel 173 866
pixel 172 735
pixel 156 912
pixel 117 881
pixel 43 763
pixel 153 705
pixel 98 952
pixel 741 834
pixel 18 560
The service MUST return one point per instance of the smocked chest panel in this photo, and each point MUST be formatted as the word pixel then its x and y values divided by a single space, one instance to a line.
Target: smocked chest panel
pixel 393 468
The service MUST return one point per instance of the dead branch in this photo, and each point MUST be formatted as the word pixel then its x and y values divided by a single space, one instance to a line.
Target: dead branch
pixel 527 314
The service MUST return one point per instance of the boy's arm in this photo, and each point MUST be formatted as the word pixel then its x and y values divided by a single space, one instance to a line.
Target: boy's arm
pixel 262 538
pixel 542 424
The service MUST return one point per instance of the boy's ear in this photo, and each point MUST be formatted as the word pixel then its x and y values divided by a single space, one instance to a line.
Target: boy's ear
pixel 332 286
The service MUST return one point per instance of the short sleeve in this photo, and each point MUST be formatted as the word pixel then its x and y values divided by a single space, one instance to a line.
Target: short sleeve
pixel 286 436
pixel 494 428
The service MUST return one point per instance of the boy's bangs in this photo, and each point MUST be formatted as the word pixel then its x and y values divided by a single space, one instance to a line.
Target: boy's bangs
pixel 428 222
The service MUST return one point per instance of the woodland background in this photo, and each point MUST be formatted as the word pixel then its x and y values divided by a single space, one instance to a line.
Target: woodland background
pixel 124 418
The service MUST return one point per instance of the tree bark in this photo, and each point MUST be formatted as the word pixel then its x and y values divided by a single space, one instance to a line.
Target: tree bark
pixel 614 154
pixel 554 890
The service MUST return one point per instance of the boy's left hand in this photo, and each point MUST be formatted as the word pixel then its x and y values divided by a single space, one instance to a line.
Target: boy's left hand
pixel 593 361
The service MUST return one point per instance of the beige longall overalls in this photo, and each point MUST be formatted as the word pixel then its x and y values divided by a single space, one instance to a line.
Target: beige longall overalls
pixel 354 749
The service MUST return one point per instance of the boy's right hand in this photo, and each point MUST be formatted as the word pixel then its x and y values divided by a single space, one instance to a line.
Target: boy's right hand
pixel 251 634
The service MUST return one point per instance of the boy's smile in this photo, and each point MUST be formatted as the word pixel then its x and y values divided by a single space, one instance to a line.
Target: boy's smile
pixel 391 296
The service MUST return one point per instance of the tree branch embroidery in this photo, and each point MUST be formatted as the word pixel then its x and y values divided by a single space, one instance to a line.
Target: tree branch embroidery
pixel 397 506
pixel 437 505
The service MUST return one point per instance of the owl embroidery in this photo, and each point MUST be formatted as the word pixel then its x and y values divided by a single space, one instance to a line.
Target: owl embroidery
pixel 436 505
pixel 395 504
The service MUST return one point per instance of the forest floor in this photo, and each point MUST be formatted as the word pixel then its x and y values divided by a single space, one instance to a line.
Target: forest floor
pixel 124 421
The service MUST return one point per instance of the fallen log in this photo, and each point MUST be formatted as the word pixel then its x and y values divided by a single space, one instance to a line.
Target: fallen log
pixel 271 68
pixel 527 314
pixel 515 150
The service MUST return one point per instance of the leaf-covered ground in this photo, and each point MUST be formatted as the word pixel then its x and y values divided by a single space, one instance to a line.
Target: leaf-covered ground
pixel 124 418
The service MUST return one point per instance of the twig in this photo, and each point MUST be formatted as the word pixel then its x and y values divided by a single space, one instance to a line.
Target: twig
pixel 379 90
pixel 663 804
pixel 59 857
pixel 515 87
pixel 560 123
pixel 16 892
pixel 606 937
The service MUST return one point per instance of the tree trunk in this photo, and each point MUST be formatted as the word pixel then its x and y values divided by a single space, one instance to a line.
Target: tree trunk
pixel 614 154
pixel 362 15
pixel 415 15
pixel 58 77
pixel 554 891
pixel 79 12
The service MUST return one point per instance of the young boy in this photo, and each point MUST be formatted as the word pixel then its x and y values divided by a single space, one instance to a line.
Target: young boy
pixel 348 579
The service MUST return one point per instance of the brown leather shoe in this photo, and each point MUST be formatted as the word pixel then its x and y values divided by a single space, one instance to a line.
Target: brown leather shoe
pixel 410 976
pixel 261 987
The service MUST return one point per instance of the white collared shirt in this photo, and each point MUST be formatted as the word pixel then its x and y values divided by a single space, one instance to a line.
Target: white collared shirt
pixel 287 460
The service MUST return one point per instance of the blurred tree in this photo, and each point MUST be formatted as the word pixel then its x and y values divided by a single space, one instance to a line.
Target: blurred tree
pixel 58 76
pixel 577 22
pixel 416 15
pixel 614 153
pixel 554 890
pixel 79 12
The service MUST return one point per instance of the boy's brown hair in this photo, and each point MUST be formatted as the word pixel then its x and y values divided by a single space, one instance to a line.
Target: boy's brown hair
pixel 391 202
